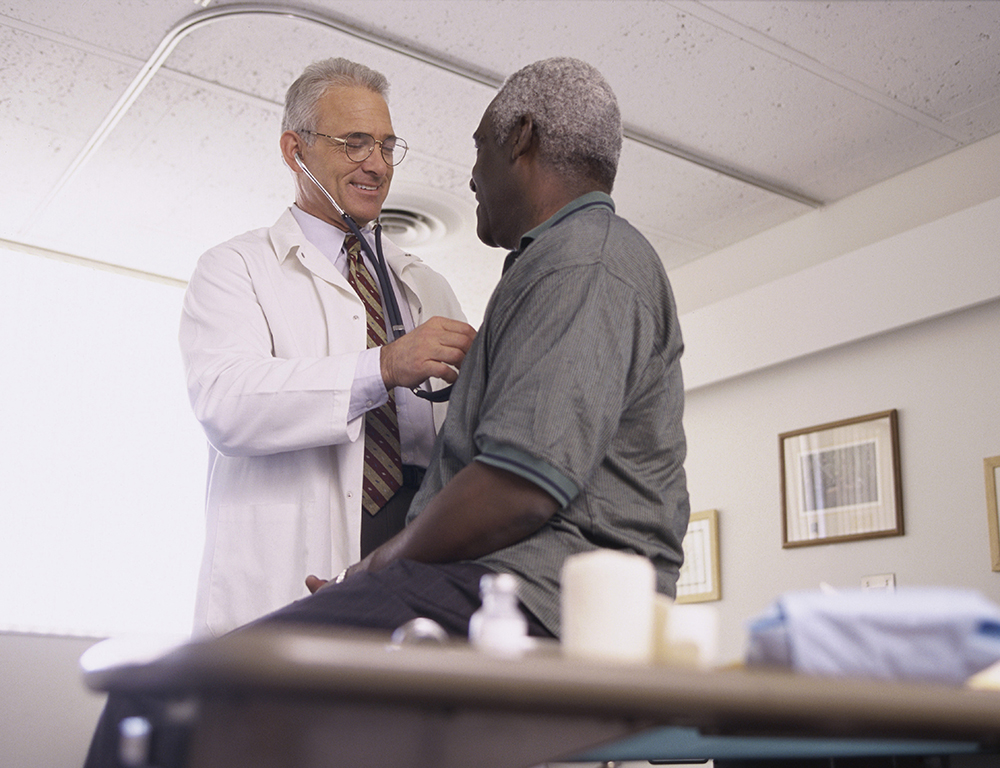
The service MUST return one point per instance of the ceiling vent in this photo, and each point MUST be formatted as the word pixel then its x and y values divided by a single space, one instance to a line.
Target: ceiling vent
pixel 416 215
pixel 408 228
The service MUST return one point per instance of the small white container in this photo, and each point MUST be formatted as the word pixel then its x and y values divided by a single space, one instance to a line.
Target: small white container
pixel 608 607
pixel 499 626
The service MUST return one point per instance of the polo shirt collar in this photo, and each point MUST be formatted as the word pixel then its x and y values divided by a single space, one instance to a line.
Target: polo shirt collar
pixel 584 201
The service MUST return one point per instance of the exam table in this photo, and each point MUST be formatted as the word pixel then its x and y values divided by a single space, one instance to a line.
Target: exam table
pixel 307 698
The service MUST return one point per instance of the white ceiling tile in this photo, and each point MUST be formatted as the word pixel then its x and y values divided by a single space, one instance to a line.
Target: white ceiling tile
pixel 261 55
pixel 25 184
pixel 825 98
pixel 675 197
pixel 53 98
pixel 131 27
pixel 147 176
pixel 879 153
pixel 937 57
pixel 982 120
pixel 55 88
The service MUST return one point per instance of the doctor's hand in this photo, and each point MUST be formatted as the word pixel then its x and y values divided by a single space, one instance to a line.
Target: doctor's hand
pixel 434 349
pixel 315 583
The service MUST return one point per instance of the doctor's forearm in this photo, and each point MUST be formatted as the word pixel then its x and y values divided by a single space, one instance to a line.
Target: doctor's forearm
pixel 275 406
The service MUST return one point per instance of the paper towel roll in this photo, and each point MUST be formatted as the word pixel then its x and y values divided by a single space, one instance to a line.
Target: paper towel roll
pixel 607 606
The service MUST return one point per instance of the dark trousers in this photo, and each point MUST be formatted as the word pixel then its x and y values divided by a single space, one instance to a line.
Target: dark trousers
pixel 448 593
pixel 388 521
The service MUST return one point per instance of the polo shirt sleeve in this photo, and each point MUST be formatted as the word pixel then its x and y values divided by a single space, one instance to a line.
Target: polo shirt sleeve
pixel 527 466
pixel 561 354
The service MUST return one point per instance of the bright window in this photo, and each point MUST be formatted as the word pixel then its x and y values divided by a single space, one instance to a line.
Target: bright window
pixel 103 466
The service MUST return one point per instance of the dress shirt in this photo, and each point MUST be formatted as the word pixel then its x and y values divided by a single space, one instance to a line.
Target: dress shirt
pixel 416 419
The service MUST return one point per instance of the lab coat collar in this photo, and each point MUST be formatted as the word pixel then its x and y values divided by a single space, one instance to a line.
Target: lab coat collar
pixel 287 239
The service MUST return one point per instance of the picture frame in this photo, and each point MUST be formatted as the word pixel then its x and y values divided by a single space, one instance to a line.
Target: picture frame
pixel 700 577
pixel 991 467
pixel 841 481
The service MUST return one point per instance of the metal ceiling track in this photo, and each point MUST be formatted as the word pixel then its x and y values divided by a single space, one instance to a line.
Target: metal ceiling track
pixel 224 12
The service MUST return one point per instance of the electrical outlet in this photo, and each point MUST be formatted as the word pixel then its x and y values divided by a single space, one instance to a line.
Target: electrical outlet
pixel 886 581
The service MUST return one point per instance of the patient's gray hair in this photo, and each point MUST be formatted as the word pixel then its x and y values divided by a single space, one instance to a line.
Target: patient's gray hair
pixel 302 98
pixel 574 110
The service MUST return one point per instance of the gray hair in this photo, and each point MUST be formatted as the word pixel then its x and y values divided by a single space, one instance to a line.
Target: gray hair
pixel 574 110
pixel 303 96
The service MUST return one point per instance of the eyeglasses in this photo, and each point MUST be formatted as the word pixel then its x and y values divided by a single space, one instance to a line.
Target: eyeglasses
pixel 359 146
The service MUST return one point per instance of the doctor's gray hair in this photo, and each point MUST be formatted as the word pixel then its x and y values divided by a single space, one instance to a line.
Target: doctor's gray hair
pixel 574 111
pixel 302 98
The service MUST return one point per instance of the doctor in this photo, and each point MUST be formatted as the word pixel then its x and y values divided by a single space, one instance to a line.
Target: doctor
pixel 280 371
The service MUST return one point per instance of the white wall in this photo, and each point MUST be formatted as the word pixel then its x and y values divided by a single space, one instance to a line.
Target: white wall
pixel 904 315
pixel 46 714
pixel 943 376
pixel 103 475
pixel 101 488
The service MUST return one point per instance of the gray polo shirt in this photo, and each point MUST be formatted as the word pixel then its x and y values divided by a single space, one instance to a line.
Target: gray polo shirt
pixel 574 383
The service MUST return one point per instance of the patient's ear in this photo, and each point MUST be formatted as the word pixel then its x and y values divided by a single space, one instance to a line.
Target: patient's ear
pixel 522 136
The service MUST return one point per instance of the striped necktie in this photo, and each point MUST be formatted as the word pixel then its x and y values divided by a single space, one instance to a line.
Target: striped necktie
pixel 383 463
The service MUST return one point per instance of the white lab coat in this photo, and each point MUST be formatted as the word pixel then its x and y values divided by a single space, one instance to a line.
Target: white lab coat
pixel 270 334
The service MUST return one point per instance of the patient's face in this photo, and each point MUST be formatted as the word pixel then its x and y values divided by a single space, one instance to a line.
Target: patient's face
pixel 494 184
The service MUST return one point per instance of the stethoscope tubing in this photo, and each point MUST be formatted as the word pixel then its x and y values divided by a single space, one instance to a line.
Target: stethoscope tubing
pixel 389 297
pixel 377 258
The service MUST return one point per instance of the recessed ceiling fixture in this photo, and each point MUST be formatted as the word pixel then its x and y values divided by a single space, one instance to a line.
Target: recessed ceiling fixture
pixel 407 228
pixel 414 215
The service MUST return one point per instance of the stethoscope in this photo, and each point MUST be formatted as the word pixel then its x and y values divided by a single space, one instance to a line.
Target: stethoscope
pixel 396 328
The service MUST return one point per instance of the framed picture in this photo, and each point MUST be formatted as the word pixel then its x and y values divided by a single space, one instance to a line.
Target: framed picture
pixel 841 481
pixel 992 467
pixel 699 577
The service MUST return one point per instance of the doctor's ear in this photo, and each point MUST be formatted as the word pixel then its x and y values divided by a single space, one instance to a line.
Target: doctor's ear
pixel 291 149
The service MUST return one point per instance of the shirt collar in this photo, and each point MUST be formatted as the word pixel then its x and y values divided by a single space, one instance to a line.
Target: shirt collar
pixel 323 235
pixel 584 201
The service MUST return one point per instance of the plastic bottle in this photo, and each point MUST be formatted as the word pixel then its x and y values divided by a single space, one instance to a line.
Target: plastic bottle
pixel 499 626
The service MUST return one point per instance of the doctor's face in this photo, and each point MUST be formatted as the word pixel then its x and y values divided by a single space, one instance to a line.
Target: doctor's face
pixel 359 187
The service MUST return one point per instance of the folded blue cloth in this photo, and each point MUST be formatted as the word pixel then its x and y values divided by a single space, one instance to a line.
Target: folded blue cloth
pixel 928 634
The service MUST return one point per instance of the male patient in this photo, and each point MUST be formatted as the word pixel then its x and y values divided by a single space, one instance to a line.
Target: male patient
pixel 564 432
